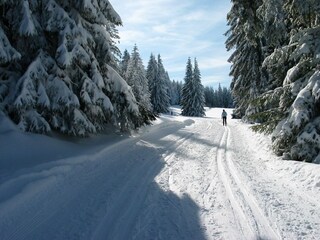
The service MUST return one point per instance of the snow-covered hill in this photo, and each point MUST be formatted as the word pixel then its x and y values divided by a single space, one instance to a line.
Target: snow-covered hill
pixel 182 178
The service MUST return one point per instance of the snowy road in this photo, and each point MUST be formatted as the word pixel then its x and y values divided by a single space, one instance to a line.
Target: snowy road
pixel 183 178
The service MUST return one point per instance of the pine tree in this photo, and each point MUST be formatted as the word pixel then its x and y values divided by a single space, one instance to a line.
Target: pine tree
pixel 186 103
pixel 288 111
pixel 288 87
pixel 124 63
pixel 162 100
pixel 193 100
pixel 198 94
pixel 58 66
pixel 275 34
pixel 219 95
pixel 152 70
pixel 298 135
pixel 136 78
pixel 158 84
pixel 247 58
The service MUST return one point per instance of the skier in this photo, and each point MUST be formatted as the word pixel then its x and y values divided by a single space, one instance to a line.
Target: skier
pixel 224 117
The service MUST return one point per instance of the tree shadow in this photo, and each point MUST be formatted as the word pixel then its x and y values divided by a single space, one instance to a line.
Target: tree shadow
pixel 150 212
pixel 169 217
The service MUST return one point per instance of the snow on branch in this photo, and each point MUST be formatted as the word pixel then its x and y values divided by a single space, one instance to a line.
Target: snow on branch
pixel 120 86
pixel 27 27
pixel 32 121
pixel 302 120
pixel 26 89
pixel 109 12
pixel 58 17
pixel 7 52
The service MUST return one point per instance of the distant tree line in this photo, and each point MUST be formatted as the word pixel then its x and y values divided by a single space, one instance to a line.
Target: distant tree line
pixel 220 97
pixel 155 92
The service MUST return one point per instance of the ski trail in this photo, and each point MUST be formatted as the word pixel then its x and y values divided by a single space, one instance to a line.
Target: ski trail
pixel 264 228
pixel 250 217
pixel 238 212
pixel 284 201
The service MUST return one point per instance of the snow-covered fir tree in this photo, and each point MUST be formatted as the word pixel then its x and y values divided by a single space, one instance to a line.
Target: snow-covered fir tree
pixel 275 33
pixel 124 63
pixel 158 84
pixel 161 99
pixel 151 74
pixel 198 94
pixel 57 61
pixel 186 89
pixel 298 134
pixel 193 100
pixel 290 96
pixel 136 78
pixel 247 57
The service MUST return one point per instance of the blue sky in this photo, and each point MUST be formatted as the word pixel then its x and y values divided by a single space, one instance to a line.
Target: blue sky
pixel 177 30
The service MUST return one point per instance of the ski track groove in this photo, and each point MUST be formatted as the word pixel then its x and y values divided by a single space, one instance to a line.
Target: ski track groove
pixel 279 197
pixel 243 223
pixel 250 210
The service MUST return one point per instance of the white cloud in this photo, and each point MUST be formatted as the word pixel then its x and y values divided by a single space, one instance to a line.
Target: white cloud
pixel 215 80
pixel 212 63
pixel 148 12
pixel 130 36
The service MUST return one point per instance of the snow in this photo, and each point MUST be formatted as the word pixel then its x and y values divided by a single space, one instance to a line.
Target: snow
pixel 119 85
pixel 27 26
pixel 7 52
pixel 181 178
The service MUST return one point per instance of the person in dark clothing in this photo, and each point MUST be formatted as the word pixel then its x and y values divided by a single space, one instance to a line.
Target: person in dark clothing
pixel 224 117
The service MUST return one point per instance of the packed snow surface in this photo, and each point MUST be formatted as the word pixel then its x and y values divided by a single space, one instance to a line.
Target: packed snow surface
pixel 182 178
